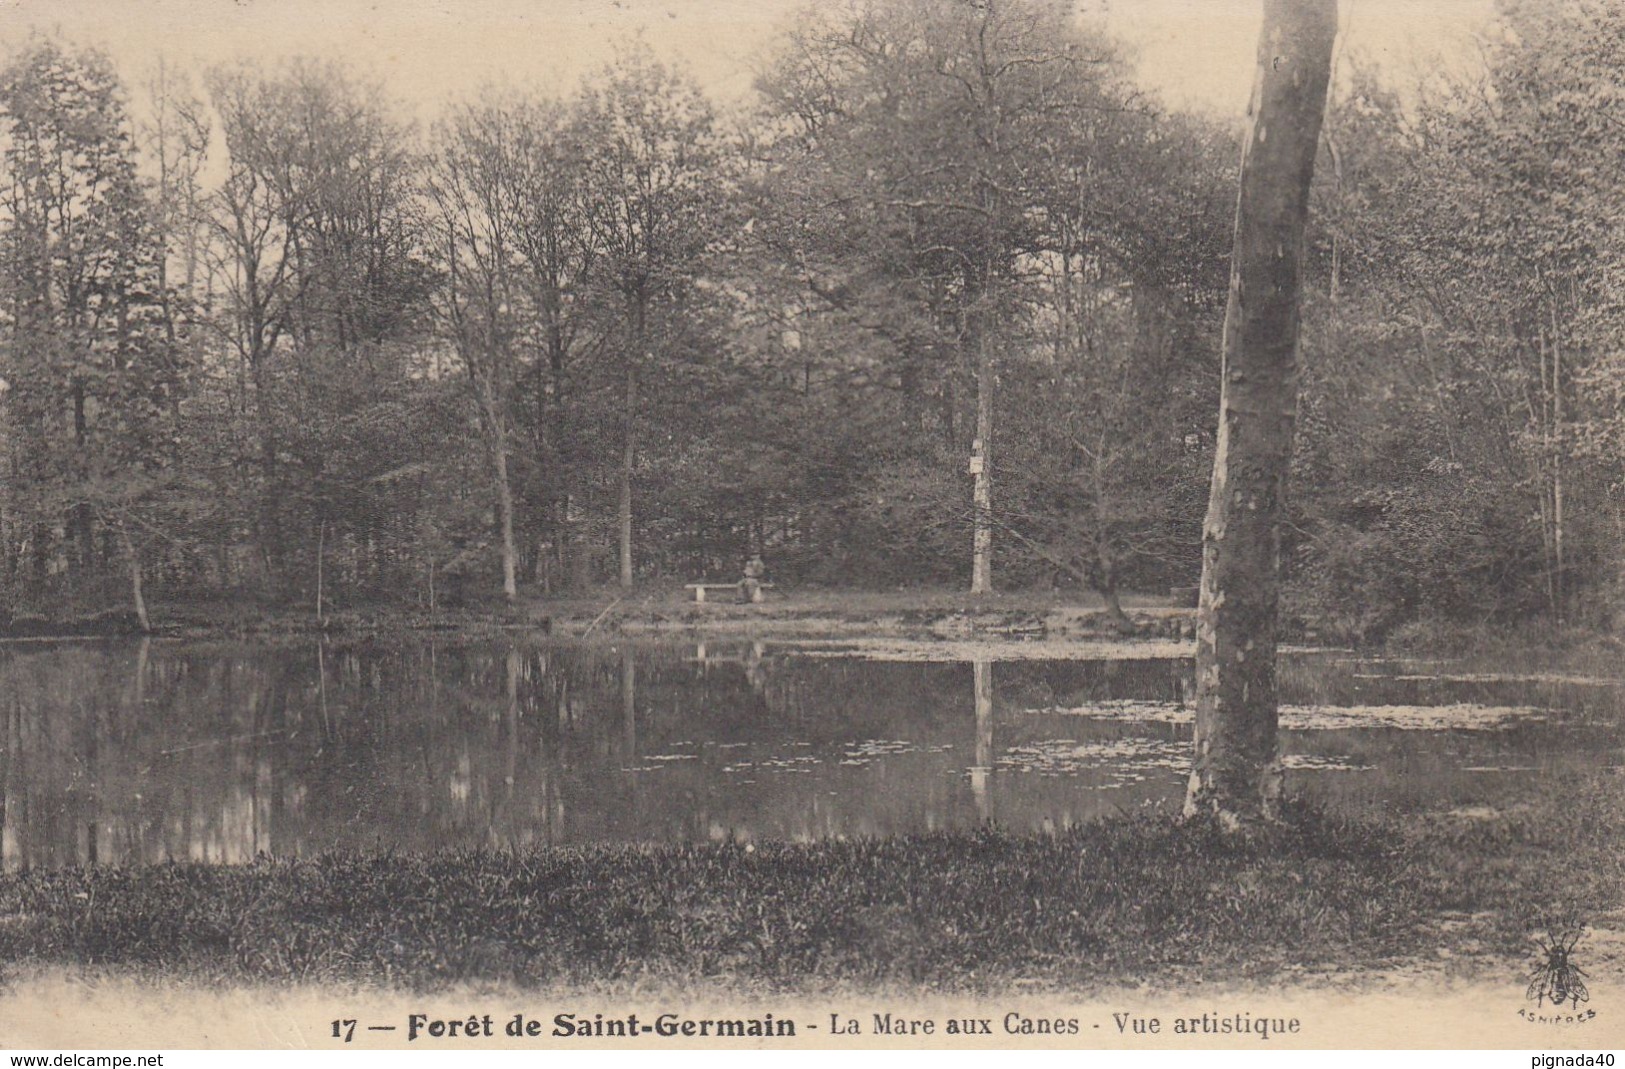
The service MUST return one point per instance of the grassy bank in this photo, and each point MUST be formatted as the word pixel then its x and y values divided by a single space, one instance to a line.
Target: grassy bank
pixel 668 610
pixel 1534 641
pixel 1135 899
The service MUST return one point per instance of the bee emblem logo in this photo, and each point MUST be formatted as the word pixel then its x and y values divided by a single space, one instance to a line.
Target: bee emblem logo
pixel 1556 979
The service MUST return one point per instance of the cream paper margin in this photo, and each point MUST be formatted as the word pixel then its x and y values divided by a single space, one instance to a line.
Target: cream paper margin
pixel 63 1013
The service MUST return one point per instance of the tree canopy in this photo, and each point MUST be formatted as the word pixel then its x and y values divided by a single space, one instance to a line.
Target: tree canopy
pixel 941 305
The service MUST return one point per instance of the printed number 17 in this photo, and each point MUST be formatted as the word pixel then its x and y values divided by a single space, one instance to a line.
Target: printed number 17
pixel 344 1030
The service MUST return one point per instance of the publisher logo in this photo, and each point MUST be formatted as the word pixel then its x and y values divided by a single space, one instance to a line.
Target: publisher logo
pixel 1556 980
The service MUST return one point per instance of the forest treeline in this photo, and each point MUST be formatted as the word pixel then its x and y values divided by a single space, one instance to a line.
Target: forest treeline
pixel 940 304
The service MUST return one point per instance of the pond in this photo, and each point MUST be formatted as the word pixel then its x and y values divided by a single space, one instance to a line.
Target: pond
pixel 120 753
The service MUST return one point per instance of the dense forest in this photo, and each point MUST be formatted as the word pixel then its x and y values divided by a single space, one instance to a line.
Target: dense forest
pixel 940 306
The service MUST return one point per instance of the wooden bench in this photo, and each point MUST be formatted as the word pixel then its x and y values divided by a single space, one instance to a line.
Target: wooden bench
pixel 698 590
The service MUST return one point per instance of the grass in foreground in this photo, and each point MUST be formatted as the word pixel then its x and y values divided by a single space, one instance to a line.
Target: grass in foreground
pixel 1127 900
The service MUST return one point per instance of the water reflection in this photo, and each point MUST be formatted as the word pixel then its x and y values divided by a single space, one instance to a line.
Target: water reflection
pixel 123 753
pixel 981 771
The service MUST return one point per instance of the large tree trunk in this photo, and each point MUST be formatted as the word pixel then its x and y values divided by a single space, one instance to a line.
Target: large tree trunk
pixel 1237 773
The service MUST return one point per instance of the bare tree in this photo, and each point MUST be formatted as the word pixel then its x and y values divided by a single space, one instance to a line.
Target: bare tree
pixel 558 252
pixel 650 187
pixel 471 189
pixel 176 140
pixel 314 256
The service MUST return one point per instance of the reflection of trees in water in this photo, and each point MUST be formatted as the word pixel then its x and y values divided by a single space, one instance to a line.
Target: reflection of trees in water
pixel 217 752
pixel 1342 679
pixel 982 771
pixel 1065 684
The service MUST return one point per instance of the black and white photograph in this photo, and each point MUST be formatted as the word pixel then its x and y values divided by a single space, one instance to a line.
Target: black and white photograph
pixel 765 525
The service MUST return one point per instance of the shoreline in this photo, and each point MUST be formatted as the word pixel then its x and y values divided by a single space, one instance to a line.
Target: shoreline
pixel 812 615
pixel 1141 902
pixel 928 625
pixel 1017 625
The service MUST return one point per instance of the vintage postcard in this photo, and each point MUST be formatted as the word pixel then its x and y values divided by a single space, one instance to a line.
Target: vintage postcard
pixel 910 524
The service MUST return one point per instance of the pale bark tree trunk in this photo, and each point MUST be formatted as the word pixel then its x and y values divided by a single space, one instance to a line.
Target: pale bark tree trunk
pixel 499 458
pixel 629 444
pixel 510 583
pixel 555 432
pixel 628 461
pixel 137 596
pixel 1236 777
pixel 321 553
pixel 982 493
pixel 977 318
pixel 982 771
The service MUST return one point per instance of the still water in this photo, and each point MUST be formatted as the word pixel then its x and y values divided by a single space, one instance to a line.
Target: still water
pixel 118 753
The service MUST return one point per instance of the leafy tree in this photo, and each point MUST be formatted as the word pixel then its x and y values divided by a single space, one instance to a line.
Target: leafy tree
pixel 558 255
pixel 957 169
pixel 317 258
pixel 474 191
pixel 1452 448
pixel 93 375
pixel 651 188
pixel 1107 486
